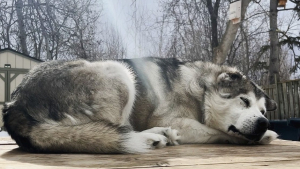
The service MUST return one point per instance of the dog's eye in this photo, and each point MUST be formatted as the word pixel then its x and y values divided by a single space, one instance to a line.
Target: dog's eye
pixel 263 112
pixel 246 101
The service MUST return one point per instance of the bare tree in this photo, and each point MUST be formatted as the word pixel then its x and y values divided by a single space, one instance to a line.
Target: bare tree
pixel 22 32
pixel 244 45
pixel 220 52
pixel 50 29
pixel 191 30
pixel 274 44
pixel 7 13
pixel 113 45
pixel 213 10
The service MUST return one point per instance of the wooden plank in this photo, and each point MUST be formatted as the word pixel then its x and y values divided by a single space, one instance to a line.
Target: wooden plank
pixel 267 92
pixel 268 115
pixel 280 103
pixel 291 99
pixel 287 81
pixel 288 100
pixel 279 154
pixel 6 141
pixel 296 99
pixel 285 101
pixel 277 112
pixel 272 96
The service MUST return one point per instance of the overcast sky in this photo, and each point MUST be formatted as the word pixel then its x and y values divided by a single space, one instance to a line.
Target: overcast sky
pixel 120 14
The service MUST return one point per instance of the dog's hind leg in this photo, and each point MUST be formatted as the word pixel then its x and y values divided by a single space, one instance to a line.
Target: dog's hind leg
pixel 139 142
pixel 93 137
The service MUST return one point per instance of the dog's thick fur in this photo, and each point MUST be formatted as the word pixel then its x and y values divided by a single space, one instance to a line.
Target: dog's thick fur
pixel 131 106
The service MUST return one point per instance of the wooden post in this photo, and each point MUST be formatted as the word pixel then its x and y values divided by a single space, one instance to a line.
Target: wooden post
pixel 291 100
pixel 276 98
pixel 281 101
pixel 296 99
pixel 286 105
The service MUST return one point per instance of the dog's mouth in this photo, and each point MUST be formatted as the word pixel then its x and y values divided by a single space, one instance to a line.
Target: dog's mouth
pixel 252 137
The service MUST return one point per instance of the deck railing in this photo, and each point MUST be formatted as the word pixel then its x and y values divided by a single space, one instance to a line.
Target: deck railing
pixel 286 94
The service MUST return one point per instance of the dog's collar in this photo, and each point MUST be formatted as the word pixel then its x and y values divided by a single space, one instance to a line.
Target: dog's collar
pixel 202 112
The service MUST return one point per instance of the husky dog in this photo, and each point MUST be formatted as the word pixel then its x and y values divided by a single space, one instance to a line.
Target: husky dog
pixel 131 106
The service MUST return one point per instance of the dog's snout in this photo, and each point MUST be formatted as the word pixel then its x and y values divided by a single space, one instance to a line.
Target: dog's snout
pixel 261 125
pixel 262 122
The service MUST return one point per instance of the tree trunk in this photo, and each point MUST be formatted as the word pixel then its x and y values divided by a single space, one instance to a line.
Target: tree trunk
pixel 213 12
pixel 43 28
pixel 274 44
pixel 21 26
pixel 220 52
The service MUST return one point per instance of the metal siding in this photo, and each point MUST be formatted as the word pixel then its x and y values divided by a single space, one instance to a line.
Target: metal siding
pixel 33 63
pixel 13 84
pixel 19 79
pixel 11 59
pixel 1 63
pixel 16 81
pixel 26 63
pixel 1 122
pixel 19 62
pixel 2 89
pixel 3 59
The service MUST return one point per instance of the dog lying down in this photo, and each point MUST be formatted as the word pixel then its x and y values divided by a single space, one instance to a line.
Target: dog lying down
pixel 134 105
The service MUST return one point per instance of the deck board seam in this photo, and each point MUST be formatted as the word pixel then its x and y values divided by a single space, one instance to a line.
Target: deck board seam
pixel 187 165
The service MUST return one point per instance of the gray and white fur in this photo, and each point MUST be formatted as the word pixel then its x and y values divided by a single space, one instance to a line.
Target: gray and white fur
pixel 132 106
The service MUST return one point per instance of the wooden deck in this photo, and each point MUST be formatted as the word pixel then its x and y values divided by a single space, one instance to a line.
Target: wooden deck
pixel 280 154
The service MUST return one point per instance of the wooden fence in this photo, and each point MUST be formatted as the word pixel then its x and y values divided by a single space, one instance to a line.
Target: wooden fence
pixel 286 94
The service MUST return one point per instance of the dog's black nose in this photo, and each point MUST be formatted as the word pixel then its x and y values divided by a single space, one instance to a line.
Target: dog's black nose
pixel 262 125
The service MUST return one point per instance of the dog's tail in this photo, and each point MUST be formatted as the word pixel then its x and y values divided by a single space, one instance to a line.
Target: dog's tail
pixel 17 125
pixel 92 137
pixel 1 121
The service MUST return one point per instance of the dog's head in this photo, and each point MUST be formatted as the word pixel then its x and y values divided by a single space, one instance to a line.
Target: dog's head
pixel 237 106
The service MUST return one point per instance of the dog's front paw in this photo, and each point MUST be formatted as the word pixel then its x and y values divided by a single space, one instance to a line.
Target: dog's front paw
pixel 142 142
pixel 171 134
pixel 156 140
pixel 268 137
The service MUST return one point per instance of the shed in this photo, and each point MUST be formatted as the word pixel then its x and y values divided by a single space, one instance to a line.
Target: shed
pixel 13 66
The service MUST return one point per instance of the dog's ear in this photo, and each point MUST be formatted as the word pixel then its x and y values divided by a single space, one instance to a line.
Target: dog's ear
pixel 227 82
pixel 271 105
pixel 227 77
